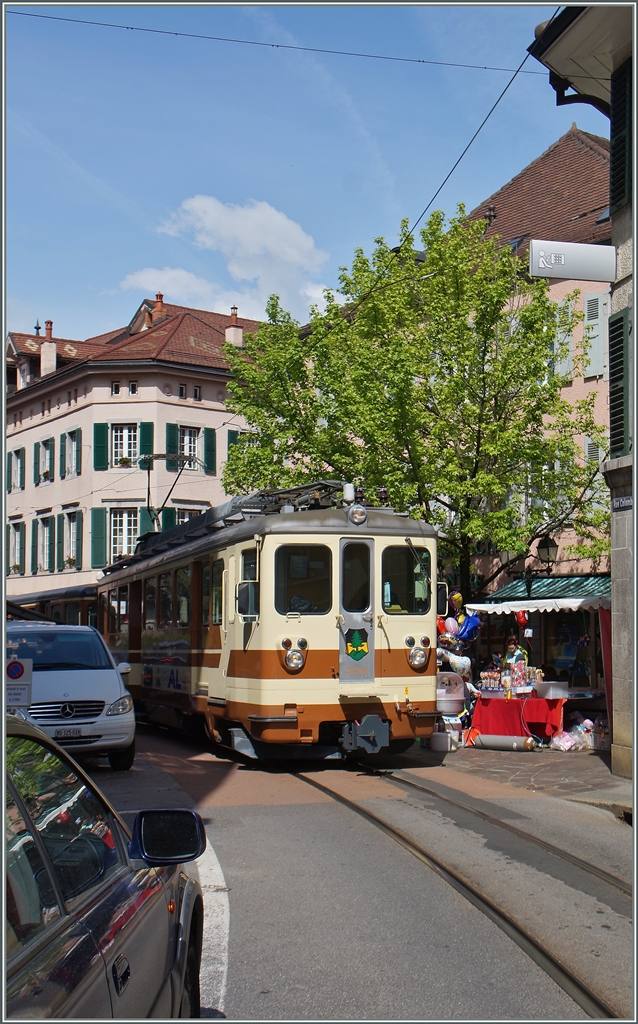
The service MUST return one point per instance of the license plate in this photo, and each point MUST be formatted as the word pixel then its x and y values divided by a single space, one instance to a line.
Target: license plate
pixel 67 734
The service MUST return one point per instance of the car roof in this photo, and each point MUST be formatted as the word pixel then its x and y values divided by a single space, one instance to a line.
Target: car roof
pixel 28 627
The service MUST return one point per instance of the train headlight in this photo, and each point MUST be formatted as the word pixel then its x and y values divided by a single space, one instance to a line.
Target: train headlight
pixel 417 657
pixel 425 641
pixel 357 515
pixel 294 660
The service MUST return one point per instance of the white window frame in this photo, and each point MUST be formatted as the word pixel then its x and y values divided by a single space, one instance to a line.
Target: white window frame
pixel 15 470
pixel 197 393
pixel 182 391
pixel 123 531
pixel 132 388
pixel 70 538
pixel 184 514
pixel 71 450
pixel 189 441
pixel 44 543
pixel 46 459
pixel 14 544
pixel 124 443
pixel 115 388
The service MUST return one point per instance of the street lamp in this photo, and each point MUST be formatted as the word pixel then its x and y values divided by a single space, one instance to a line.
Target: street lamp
pixel 547 553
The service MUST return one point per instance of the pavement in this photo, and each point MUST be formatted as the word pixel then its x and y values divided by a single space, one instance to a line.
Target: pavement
pixel 583 776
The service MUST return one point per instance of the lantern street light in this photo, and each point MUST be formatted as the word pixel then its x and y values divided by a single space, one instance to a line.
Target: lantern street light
pixel 547 553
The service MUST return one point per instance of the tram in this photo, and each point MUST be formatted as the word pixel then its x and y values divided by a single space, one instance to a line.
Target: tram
pixel 295 623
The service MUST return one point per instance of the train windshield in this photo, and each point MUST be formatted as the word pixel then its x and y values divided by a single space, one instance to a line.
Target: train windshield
pixel 303 579
pixel 405 582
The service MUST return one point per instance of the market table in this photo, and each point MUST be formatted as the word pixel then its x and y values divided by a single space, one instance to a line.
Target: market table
pixel 495 716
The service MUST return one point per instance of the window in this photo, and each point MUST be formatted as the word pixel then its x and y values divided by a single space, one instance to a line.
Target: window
pixel 123 444
pixel 68 816
pixel 31 904
pixel 132 387
pixel 16 548
pixel 405 582
pixel 115 387
pixel 184 514
pixel 355 591
pixel 124 532
pixel 58 649
pixel 46 457
pixel 71 453
pixel 183 595
pixel 182 391
pixel 303 579
pixel 15 470
pixel 205 595
pixel 149 604
pixel 46 544
pixel 165 600
pixel 71 540
pixel 122 608
pixel 188 439
pixel 197 393
pixel 218 575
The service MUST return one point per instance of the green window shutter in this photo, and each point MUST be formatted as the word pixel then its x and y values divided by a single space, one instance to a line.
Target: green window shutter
pixel 78 451
pixel 233 438
pixel 22 458
pixel 98 538
pixel 9 468
pixel 36 463
pixel 100 449
pixel 34 546
pixel 172 444
pixel 620 138
pixel 594 305
pixel 51 529
pixel 62 456
pixel 79 530
pixel 619 440
pixel 146 444
pixel 7 547
pixel 22 531
pixel 169 518
pixel 60 543
pixel 146 522
pixel 51 464
pixel 210 450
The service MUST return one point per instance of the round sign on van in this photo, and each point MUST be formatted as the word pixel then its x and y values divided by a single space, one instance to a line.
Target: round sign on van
pixel 18 678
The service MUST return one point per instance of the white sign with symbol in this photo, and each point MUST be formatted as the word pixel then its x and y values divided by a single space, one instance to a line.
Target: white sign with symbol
pixel 18 676
pixel 572 261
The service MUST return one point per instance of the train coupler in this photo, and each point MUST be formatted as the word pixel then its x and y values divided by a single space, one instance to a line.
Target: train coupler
pixel 368 735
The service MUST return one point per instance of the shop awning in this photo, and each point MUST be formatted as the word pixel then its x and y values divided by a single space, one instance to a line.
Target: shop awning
pixel 553 594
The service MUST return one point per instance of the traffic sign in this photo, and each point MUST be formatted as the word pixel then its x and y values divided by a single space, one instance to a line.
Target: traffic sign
pixel 19 672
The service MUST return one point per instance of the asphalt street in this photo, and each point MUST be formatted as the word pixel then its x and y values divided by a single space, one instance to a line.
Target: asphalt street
pixel 313 914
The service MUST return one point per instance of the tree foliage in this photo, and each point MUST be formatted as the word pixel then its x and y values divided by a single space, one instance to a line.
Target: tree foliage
pixel 436 375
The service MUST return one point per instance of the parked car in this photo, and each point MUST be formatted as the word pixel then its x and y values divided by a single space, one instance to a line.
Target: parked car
pixel 78 695
pixel 100 922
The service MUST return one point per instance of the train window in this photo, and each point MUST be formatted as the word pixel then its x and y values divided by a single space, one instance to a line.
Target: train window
pixel 91 615
pixel 165 599
pixel 183 593
pixel 73 614
pixel 218 572
pixel 303 579
pixel 149 604
pixel 405 582
pixel 112 623
pixel 355 590
pixel 122 601
pixel 57 612
pixel 249 564
pixel 205 595
pixel 103 614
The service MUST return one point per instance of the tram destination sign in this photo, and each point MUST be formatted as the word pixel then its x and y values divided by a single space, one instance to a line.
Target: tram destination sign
pixel 573 261
pixel 18 676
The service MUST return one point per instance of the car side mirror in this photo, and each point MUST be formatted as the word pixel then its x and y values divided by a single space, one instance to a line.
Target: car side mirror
pixel 124 668
pixel 248 598
pixel 163 837
pixel 441 598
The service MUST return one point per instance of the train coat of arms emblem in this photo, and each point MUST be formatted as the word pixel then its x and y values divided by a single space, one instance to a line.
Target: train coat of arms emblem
pixel 356 644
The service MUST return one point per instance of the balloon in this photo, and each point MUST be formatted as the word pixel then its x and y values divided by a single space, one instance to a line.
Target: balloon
pixel 440 624
pixel 461 617
pixel 449 640
pixel 451 626
pixel 470 629
pixel 456 600
pixel 522 618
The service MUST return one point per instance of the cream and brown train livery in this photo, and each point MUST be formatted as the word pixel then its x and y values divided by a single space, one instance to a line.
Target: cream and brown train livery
pixel 289 624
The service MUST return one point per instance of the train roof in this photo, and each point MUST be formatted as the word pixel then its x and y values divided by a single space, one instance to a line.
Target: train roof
pixel 302 510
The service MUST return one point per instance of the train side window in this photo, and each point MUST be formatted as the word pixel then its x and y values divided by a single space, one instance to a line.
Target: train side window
pixel 183 593
pixel 57 612
pixel 218 572
pixel 405 582
pixel 356 577
pixel 122 603
pixel 73 614
pixel 103 626
pixel 91 615
pixel 112 623
pixel 165 599
pixel 303 579
pixel 149 604
pixel 205 594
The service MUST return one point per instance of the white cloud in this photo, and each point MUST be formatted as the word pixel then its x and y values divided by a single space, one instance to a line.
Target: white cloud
pixel 177 285
pixel 261 246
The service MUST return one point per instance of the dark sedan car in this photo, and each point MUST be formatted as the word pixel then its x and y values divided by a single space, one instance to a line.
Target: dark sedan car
pixel 99 923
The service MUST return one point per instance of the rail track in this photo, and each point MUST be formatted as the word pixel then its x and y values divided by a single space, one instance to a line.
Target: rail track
pixel 575 986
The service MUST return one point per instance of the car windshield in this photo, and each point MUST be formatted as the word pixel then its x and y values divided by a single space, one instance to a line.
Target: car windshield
pixel 53 650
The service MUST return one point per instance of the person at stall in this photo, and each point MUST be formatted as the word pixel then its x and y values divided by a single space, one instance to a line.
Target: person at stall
pixel 513 652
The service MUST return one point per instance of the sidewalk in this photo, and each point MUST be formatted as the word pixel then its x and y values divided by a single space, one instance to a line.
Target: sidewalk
pixel 583 776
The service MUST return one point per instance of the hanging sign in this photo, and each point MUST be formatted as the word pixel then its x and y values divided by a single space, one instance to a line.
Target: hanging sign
pixel 573 261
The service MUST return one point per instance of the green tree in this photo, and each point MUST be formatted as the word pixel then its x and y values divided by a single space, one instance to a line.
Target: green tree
pixel 437 376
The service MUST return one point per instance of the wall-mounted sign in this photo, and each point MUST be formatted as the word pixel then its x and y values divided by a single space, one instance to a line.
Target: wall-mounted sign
pixel 624 504
pixel 573 261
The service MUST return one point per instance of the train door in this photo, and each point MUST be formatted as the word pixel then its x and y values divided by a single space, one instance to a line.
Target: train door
pixel 356 643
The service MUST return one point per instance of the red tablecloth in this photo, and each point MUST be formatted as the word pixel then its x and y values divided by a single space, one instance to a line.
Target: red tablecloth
pixel 495 716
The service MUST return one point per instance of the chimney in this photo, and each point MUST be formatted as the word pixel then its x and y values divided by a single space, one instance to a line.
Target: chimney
pixel 159 312
pixel 48 329
pixel 234 333
pixel 48 355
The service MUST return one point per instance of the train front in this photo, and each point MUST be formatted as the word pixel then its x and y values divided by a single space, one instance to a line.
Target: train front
pixel 332 643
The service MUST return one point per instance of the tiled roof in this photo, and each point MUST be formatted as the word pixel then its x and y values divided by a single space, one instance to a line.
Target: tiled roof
pixel 182 338
pixel 109 336
pixel 552 588
pixel 218 321
pixel 560 195
pixel 29 344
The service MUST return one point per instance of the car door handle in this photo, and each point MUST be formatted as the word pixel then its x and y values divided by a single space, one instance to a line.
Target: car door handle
pixel 121 974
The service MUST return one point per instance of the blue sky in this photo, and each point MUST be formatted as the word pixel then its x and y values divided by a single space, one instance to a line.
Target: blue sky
pixel 220 173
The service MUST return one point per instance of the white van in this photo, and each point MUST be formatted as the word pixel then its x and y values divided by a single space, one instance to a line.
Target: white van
pixel 78 696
